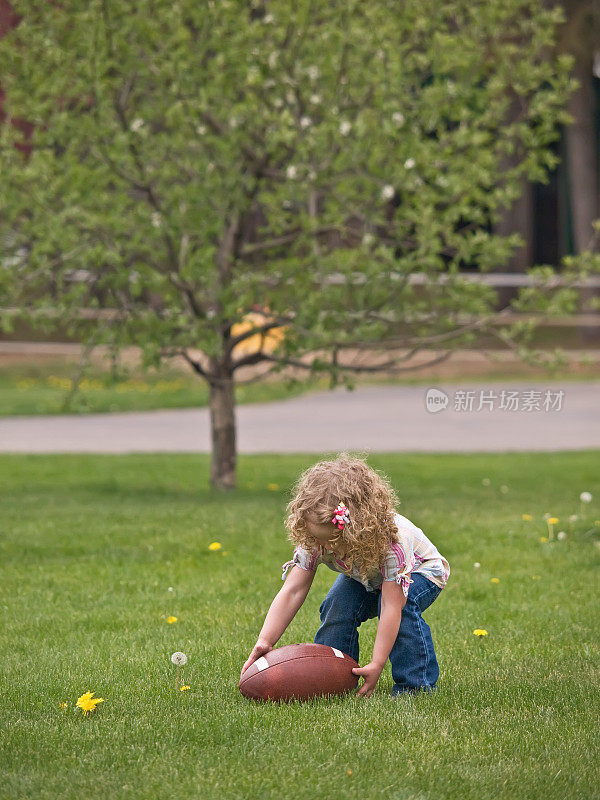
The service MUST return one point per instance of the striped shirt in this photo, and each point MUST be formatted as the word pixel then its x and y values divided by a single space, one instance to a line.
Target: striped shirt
pixel 413 552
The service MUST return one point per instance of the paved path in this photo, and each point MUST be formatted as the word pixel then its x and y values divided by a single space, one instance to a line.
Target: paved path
pixel 390 418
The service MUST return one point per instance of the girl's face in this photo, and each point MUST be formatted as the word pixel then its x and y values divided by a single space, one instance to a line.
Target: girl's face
pixel 323 532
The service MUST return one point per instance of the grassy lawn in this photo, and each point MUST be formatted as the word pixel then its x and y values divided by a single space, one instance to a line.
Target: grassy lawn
pixel 97 551
pixel 44 387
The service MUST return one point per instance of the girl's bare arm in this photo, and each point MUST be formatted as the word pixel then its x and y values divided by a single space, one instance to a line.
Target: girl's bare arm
pixel 283 609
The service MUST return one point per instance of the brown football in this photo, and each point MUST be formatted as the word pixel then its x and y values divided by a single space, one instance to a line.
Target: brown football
pixel 299 672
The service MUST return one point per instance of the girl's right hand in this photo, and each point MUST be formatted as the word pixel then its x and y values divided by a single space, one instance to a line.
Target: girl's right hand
pixel 259 649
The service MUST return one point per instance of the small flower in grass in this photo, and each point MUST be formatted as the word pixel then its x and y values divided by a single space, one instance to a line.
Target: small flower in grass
pixel 348 772
pixel 486 481
pixel 477 565
pixel 214 546
pixel 536 577
pixel 183 688
pixel 585 498
pixel 64 705
pixel 179 659
pixel 170 589
pixel 480 632
pixel 171 620
pixel 388 192
pixel 273 487
pixel 504 489
pixel 561 535
pixel 495 580
pixel 551 521
pixel 543 538
pixel 527 517
pixel 88 703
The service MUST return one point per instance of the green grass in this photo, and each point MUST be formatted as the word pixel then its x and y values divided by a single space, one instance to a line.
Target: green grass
pixel 91 544
pixel 44 387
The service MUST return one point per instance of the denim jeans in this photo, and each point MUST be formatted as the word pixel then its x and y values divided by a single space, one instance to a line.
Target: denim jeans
pixel 348 603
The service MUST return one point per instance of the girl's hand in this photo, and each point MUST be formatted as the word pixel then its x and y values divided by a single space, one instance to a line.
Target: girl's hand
pixel 370 673
pixel 259 649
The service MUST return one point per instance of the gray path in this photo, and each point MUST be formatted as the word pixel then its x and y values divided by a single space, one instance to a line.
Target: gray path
pixel 369 418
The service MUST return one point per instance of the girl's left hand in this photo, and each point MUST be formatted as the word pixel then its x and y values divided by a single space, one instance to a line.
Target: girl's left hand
pixel 370 673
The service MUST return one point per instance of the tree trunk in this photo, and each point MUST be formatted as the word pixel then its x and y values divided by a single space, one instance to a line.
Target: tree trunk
pixel 222 428
pixel 581 149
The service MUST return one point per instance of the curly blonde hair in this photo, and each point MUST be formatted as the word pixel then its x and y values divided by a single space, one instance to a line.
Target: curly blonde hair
pixel 369 497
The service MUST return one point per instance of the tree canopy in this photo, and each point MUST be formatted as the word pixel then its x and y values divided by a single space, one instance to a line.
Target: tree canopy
pixel 193 162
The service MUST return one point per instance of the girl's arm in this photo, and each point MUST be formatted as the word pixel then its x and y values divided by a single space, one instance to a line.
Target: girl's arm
pixel 282 611
pixel 392 603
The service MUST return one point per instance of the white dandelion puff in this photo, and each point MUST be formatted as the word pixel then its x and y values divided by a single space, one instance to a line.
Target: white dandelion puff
pixel 409 163
pixel 585 497
pixel 388 192
pixel 179 658
pixel 345 127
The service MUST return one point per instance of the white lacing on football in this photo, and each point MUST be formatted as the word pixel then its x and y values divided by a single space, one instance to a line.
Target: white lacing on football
pixel 261 663
pixel 338 653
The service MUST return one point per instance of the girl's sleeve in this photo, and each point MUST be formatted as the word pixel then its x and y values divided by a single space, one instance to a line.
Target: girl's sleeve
pixel 306 559
pixel 398 565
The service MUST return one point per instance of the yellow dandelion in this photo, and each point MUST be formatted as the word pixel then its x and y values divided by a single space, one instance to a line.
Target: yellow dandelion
pixel 272 487
pixel 63 705
pixel 527 517
pixel 495 580
pixel 171 620
pixel 88 703
pixel 214 546
pixel 552 520
pixel 536 577
pixel 543 538
pixel 480 632
pixel 348 772
pixel 183 688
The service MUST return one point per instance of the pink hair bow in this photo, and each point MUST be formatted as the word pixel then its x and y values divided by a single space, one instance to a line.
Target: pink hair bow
pixel 341 516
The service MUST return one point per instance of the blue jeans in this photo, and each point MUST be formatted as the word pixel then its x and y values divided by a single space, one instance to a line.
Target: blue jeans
pixel 348 603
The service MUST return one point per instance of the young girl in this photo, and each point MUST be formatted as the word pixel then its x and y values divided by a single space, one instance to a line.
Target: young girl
pixel 342 515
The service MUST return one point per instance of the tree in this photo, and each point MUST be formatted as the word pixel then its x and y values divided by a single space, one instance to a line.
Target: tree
pixel 192 162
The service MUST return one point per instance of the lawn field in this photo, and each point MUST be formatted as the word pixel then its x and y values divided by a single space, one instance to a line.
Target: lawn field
pixel 97 552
